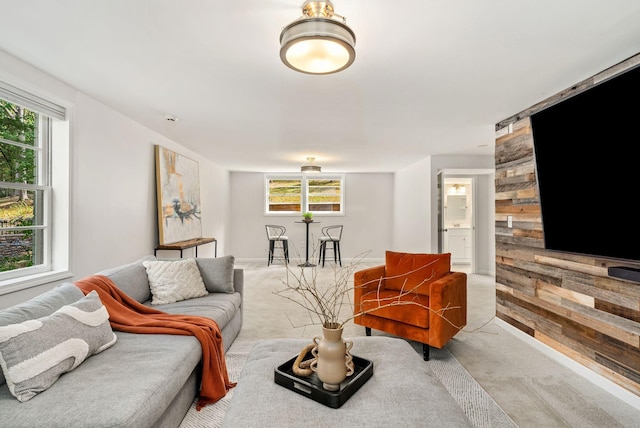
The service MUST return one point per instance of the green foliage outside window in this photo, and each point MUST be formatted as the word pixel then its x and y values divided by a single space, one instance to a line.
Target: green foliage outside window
pixel 18 164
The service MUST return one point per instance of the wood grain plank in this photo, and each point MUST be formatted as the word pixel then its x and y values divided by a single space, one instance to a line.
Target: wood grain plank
pixel 566 301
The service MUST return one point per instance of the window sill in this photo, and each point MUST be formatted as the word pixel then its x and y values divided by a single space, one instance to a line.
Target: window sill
pixel 22 283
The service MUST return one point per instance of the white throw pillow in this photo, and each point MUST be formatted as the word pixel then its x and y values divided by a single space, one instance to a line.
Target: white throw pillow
pixel 175 280
pixel 35 353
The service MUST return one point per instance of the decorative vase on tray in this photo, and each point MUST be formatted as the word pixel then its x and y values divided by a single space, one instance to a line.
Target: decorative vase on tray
pixel 332 361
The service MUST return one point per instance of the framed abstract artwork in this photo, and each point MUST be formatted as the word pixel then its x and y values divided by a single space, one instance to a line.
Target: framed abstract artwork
pixel 178 194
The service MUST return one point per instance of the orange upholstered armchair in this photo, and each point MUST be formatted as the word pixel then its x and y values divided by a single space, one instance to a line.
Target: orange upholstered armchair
pixel 413 296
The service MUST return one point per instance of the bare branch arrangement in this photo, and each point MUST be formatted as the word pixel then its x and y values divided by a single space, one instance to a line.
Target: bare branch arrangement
pixel 326 303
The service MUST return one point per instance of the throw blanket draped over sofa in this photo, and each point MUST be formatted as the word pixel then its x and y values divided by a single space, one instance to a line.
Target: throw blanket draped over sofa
pixel 126 314
pixel 65 353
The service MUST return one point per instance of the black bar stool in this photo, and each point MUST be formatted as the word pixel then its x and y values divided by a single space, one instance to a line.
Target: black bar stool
pixel 330 234
pixel 275 234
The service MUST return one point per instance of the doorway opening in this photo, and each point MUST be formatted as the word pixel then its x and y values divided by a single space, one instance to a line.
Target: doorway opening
pixel 458 220
pixel 469 235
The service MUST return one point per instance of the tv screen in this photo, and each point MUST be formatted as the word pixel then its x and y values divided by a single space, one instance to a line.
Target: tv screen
pixel 587 157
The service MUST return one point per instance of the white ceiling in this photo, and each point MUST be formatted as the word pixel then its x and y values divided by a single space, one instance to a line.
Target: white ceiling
pixel 431 76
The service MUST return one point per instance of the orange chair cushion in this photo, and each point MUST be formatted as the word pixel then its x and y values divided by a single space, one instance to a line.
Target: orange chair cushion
pixel 409 308
pixel 406 271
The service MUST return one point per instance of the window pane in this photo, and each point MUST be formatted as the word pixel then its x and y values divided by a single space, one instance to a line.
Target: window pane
pixel 24 191
pixel 20 249
pixel 20 208
pixel 325 195
pixel 284 195
pixel 18 161
pixel 21 245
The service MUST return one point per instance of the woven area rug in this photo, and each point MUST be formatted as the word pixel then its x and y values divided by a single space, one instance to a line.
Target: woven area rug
pixel 480 408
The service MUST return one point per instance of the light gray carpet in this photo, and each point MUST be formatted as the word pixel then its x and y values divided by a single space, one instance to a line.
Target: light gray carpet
pixel 550 396
pixel 480 408
pixel 267 315
pixel 213 414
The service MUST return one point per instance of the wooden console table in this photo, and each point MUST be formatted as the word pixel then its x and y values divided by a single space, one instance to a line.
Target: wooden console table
pixel 183 245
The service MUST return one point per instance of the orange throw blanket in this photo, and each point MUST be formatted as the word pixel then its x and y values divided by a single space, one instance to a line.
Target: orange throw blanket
pixel 127 314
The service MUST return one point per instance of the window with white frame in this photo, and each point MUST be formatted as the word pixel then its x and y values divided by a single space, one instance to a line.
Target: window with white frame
pixel 284 194
pixel 26 135
pixel 296 194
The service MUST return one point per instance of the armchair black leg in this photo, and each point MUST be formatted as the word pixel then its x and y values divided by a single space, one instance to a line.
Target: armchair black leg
pixel 367 331
pixel 425 352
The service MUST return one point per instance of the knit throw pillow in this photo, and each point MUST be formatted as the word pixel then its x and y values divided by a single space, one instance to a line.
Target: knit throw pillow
pixel 35 353
pixel 173 281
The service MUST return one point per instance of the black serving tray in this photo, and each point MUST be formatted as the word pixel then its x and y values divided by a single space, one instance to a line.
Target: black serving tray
pixel 311 386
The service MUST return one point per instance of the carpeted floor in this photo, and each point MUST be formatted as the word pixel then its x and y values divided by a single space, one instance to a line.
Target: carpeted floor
pixel 480 408
pixel 491 358
pixel 212 415
pixel 270 316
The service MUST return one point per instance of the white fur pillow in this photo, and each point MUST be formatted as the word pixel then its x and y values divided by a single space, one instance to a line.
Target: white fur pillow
pixel 172 281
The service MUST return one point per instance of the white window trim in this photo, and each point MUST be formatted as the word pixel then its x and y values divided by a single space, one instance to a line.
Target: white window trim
pixel 57 247
pixel 265 198
pixel 305 202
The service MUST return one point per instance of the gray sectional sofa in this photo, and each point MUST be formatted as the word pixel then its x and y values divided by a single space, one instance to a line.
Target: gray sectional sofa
pixel 141 380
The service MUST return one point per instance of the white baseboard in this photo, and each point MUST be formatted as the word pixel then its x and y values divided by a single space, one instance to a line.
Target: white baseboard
pixel 345 261
pixel 597 379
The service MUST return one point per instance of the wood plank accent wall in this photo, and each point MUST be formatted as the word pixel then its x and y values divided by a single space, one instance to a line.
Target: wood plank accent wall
pixel 567 302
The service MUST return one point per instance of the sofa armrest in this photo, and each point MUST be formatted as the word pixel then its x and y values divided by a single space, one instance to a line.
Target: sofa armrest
pixel 238 280
pixel 448 307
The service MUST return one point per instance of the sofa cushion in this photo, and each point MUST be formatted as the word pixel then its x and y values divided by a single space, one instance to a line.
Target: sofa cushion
pixel 217 273
pixel 34 353
pixel 173 281
pixel 384 304
pixel 406 271
pixel 131 278
pixel 128 386
pixel 220 307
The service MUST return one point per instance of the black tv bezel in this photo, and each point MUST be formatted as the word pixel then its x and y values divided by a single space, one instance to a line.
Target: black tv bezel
pixel 633 75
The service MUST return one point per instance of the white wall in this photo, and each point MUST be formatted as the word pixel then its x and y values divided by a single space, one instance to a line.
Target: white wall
pixel 113 203
pixel 368 219
pixel 415 206
pixel 115 190
pixel 485 244
pixel 412 208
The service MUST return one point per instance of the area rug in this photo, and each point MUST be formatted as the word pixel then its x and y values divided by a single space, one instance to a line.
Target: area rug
pixel 480 408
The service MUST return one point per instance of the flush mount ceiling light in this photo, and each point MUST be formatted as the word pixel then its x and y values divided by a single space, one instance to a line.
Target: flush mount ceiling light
pixel 316 43
pixel 310 167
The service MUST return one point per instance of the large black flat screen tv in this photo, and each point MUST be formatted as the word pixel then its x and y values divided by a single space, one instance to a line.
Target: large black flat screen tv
pixel 587 157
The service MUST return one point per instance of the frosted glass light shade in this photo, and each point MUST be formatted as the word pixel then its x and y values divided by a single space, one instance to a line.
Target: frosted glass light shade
pixel 317 46
pixel 310 167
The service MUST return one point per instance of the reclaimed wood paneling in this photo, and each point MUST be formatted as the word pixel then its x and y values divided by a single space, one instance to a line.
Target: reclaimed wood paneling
pixel 566 301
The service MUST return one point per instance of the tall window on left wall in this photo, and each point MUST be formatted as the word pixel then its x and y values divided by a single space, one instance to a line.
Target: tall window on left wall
pixel 27 124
